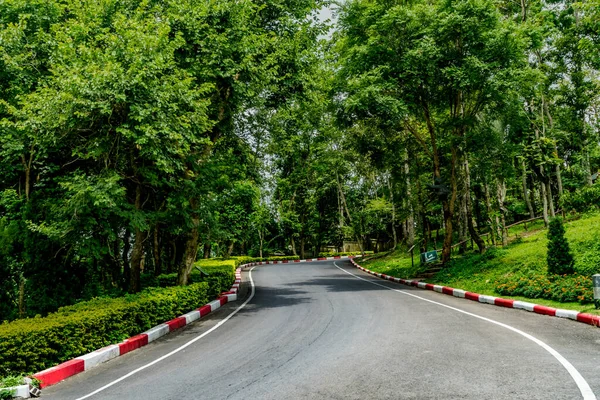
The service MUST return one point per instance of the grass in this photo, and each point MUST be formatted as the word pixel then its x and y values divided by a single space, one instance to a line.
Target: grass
pixel 11 381
pixel 526 254
pixel 397 263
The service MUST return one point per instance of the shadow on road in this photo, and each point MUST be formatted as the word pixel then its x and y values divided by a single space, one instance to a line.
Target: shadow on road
pixel 338 284
pixel 275 297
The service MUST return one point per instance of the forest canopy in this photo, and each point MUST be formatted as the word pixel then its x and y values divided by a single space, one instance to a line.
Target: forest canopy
pixel 137 137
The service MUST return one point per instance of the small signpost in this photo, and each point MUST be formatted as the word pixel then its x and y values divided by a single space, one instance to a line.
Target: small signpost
pixel 429 256
pixel 596 284
pixel 203 273
pixel 412 257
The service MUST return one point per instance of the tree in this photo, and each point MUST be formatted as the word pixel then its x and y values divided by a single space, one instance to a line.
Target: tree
pixel 560 259
pixel 440 67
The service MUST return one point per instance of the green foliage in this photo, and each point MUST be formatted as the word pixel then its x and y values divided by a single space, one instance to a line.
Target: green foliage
pixel 11 380
pixel 6 394
pixel 559 258
pixel 584 199
pixel 33 344
pixel 561 288
pixel 221 274
pixel 246 260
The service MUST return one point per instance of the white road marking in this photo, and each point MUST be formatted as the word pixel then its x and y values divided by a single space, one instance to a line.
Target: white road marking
pixel 584 387
pixel 177 349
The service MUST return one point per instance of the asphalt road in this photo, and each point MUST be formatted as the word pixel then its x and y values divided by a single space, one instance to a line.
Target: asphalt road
pixel 314 331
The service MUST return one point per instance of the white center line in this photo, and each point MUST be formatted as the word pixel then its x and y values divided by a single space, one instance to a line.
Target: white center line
pixel 177 349
pixel 584 387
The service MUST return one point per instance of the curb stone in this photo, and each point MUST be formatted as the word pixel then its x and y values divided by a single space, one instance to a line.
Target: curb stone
pixel 589 319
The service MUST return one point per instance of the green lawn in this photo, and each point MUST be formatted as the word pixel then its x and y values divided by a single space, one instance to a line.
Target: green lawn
pixel 526 253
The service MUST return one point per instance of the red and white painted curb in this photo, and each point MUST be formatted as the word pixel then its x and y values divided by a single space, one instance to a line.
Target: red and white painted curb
pixel 72 367
pixel 298 261
pixel 497 301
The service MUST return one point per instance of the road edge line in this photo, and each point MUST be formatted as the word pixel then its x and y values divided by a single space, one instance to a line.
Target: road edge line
pixel 585 318
pixel 582 385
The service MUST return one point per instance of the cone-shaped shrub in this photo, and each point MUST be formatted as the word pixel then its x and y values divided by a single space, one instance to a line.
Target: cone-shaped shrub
pixel 560 259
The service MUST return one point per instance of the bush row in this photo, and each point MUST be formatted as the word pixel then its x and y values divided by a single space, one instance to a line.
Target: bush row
pixel 247 259
pixel 34 344
pixel 221 274
pixel 346 253
pixel 562 288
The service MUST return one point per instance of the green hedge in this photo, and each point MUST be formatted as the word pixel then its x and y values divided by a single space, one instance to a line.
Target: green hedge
pixel 562 288
pixel 34 344
pixel 347 253
pixel 221 274
pixel 246 259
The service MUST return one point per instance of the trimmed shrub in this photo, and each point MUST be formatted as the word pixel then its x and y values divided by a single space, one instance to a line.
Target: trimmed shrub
pixel 560 259
pixel 221 274
pixel 347 253
pixel 34 344
pixel 247 259
pixel 562 288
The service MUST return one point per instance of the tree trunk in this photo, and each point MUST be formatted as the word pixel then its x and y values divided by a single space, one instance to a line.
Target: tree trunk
pixel 156 251
pixel 448 207
pixel 190 248
pixel 343 197
pixel 488 204
pixel 533 195
pixel 410 222
pixel 138 248
pixel 550 199
pixel 501 195
pixel 558 175
pixel 207 248
pixel 230 248
pixel 293 246
pixel 302 245
pixel 27 165
pixel 425 242
pixel 462 220
pixel 136 261
pixel 125 257
pixel 526 196
pixel 394 234
pixel 544 202
pixel 472 231
pixel 523 11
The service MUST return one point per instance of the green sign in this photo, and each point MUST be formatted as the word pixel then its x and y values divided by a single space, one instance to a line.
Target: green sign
pixel 429 256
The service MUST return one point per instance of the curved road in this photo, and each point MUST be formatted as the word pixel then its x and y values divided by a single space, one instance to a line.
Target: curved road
pixel 326 330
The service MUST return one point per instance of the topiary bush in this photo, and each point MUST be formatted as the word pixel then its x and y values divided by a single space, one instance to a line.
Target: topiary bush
pixel 560 259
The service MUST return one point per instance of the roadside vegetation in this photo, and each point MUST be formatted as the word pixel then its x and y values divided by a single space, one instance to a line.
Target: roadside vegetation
pixel 518 271
pixel 34 344
pixel 138 139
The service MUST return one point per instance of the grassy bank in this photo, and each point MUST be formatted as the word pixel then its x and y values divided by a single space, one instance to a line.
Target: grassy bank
pixel 524 257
